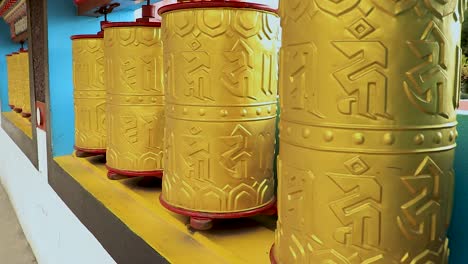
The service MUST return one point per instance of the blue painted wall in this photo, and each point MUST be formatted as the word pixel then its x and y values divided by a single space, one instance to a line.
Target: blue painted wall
pixel 458 233
pixel 62 23
pixel 6 46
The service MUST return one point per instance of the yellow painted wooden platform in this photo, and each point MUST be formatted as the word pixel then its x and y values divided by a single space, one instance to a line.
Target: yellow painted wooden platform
pixel 20 122
pixel 233 241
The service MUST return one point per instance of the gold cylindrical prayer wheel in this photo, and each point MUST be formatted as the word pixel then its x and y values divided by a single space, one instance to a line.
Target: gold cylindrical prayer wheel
pixel 367 131
pixel 10 81
pixel 23 82
pixel 221 94
pixel 18 100
pixel 89 94
pixel 135 95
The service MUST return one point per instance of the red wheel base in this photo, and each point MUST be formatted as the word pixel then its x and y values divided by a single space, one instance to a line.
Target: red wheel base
pixel 115 174
pixel 201 224
pixel 272 255
pixel 18 110
pixel 272 211
pixel 25 115
pixel 84 153
pixel 203 221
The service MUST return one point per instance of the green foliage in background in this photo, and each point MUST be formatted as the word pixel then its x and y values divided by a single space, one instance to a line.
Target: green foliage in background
pixel 464 40
pixel 464 64
pixel 464 77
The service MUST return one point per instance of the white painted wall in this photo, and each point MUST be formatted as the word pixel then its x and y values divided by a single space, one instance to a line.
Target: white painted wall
pixel 53 231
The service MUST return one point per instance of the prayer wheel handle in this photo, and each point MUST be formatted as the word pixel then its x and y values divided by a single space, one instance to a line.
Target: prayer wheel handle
pixel 148 13
pixel 22 46
pixel 104 10
pixel 107 9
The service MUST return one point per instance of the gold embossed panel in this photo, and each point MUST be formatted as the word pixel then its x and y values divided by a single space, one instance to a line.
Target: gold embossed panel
pixel 20 92
pixel 89 93
pixel 221 91
pixel 367 130
pixel 24 82
pixel 10 81
pixel 18 82
pixel 17 100
pixel 135 94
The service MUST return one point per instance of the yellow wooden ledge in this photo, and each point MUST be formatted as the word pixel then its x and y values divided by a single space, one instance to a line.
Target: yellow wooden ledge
pixel 20 122
pixel 233 241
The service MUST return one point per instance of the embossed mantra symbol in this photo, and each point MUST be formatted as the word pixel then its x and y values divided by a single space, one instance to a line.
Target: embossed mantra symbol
pixel 198 75
pixel 363 76
pixel 236 158
pixel 420 215
pixel 238 74
pixel 197 155
pixel 300 73
pixel 428 80
pixel 360 209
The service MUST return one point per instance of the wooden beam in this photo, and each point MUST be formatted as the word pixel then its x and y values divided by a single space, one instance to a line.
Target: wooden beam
pixel 38 55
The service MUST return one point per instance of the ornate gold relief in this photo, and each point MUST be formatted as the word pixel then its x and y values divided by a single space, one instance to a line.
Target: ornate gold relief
pixel 135 99
pixel 367 130
pixel 221 95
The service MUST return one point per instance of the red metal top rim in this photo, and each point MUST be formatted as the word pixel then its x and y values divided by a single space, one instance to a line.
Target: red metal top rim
pixel 86 36
pixel 131 24
pixel 23 51
pixel 215 3
pixel 9 55
pixel 14 53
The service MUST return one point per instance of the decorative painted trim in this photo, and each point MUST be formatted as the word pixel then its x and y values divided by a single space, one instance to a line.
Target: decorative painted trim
pixel 20 25
pixel 6 5
pixel 15 14
pixel 15 11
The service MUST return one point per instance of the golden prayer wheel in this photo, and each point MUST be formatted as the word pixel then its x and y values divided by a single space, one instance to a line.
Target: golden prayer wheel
pixel 10 81
pixel 135 95
pixel 23 82
pixel 368 129
pixel 221 94
pixel 18 100
pixel 89 94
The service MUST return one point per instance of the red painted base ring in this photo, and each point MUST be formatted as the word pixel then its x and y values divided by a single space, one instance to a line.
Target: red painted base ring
pixel 157 173
pixel 91 151
pixel 18 110
pixel 25 115
pixel 272 255
pixel 243 214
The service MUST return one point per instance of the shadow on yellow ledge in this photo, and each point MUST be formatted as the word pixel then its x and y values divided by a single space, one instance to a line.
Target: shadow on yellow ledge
pixel 20 122
pixel 135 202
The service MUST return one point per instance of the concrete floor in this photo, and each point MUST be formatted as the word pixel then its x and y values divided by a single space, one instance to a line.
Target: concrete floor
pixel 14 248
